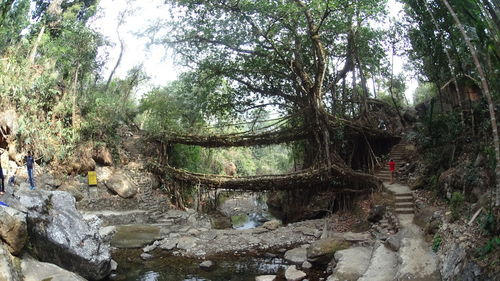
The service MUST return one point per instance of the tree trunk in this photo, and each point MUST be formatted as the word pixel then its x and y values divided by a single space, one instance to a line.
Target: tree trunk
pixel 75 118
pixel 34 49
pixel 392 93
pixel 487 93
pixel 122 49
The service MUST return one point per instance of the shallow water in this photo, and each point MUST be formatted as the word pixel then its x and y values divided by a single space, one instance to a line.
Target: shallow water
pixel 171 268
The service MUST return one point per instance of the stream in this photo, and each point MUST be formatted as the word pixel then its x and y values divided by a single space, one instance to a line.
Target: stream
pixel 173 268
pixel 245 211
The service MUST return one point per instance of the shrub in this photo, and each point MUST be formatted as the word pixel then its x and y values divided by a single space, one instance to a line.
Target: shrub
pixel 436 242
pixel 456 205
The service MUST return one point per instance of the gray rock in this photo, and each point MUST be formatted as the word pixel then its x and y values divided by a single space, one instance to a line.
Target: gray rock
pixel 114 265
pixel 146 256
pixel 186 242
pixel 13 229
pixel 376 213
pixel 207 265
pixel 272 224
pixel 34 270
pixel 394 242
pixel 265 278
pixel 293 274
pixel 351 263
pixel 74 187
pixel 322 251
pixel 8 270
pixel 383 265
pixel 60 235
pixel 150 248
pixel 307 265
pixel 296 256
pixel 121 185
pixel 168 244
pixel 107 232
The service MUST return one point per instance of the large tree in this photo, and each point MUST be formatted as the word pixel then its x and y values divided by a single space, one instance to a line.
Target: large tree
pixel 290 54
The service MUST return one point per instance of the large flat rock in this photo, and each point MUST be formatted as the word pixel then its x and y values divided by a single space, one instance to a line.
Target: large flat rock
pixel 351 264
pixel 34 270
pixel 383 265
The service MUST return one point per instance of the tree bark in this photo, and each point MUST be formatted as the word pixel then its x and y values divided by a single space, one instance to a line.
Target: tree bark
pixel 34 49
pixel 74 118
pixel 487 93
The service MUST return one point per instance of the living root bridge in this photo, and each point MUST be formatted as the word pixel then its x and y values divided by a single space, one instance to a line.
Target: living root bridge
pixel 265 138
pixel 310 178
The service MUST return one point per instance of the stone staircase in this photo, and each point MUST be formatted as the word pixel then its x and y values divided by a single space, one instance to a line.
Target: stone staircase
pixel 147 206
pixel 402 256
pixel 404 202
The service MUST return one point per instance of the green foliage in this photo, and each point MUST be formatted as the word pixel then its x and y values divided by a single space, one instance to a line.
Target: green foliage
pixel 456 205
pixel 440 130
pixel 471 175
pixel 14 17
pixel 436 242
pixel 424 92
pixel 488 224
pixel 492 245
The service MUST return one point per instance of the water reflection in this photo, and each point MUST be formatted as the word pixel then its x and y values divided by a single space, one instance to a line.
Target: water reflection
pixel 246 210
pixel 170 268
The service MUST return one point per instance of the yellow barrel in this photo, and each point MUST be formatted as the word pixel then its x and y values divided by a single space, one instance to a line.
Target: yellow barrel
pixel 92 178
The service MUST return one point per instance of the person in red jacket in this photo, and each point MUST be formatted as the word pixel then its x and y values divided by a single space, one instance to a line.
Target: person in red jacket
pixel 392 168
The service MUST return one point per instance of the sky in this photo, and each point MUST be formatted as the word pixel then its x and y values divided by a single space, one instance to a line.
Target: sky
pixel 158 64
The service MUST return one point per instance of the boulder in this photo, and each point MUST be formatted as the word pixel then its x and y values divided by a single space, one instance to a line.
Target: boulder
pixel 351 263
pixel 121 185
pixel 146 256
pixel 8 270
pixel 8 122
pixel 394 242
pixel 323 250
pixel 13 229
pixel 272 224
pixel 73 187
pixel 293 274
pixel 306 265
pixel 220 221
pixel 48 181
pixel 34 270
pixel 102 156
pixel 376 213
pixel 103 173
pixel 207 265
pixel 296 256
pixel 60 235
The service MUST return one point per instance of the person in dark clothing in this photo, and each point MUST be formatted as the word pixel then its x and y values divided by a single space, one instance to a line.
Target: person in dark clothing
pixel 2 187
pixel 30 164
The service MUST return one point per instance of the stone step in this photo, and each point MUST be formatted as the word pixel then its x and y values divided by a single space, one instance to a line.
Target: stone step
pixel 403 210
pixel 404 205
pixel 403 194
pixel 403 200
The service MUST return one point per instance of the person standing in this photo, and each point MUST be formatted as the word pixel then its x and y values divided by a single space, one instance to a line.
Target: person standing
pixel 392 168
pixel 30 164
pixel 2 186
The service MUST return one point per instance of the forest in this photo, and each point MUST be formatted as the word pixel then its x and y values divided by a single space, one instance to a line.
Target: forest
pixel 299 97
